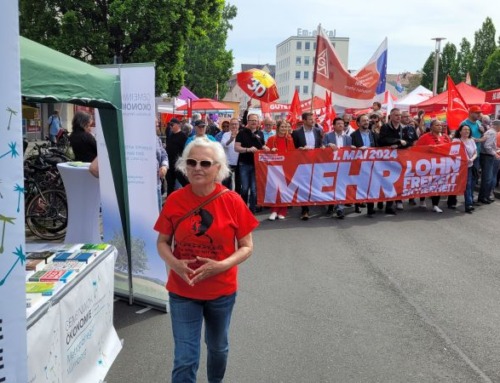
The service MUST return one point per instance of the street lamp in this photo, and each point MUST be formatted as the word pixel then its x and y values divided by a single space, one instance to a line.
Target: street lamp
pixel 436 63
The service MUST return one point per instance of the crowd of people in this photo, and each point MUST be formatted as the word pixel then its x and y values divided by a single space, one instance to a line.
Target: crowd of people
pixel 205 228
pixel 241 139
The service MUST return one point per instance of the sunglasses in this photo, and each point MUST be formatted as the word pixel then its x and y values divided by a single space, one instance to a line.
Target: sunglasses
pixel 205 164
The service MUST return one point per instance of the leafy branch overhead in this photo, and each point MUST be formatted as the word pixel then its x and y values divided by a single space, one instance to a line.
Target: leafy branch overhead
pixel 125 31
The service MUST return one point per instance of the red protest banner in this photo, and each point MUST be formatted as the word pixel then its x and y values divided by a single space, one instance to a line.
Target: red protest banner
pixel 325 176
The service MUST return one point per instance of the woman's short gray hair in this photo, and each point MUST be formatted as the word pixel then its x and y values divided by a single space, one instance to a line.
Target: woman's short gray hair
pixel 219 156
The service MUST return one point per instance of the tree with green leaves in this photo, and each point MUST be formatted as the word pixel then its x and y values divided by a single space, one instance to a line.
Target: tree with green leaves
pixel 122 31
pixel 447 65
pixel 208 63
pixel 428 72
pixel 484 46
pixel 490 78
pixel 464 61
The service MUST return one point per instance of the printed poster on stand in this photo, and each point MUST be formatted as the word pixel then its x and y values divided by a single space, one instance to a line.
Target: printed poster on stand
pixel 138 106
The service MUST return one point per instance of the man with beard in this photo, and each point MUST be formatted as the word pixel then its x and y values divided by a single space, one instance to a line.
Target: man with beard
pixel 363 138
pixel 305 138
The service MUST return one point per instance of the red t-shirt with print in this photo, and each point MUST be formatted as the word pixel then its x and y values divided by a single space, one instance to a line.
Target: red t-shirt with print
pixel 212 232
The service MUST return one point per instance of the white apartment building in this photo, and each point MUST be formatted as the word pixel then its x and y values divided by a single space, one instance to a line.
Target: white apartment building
pixel 295 62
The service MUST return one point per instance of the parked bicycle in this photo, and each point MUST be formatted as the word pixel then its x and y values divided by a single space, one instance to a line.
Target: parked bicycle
pixel 46 208
pixel 46 211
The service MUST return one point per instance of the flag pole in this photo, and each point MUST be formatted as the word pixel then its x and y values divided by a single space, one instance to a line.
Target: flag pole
pixel 315 65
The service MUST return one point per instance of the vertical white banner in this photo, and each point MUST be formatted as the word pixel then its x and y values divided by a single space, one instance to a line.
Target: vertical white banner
pixel 138 106
pixel 13 352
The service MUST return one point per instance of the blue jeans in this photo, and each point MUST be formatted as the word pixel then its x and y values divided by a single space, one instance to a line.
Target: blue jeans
pixel 494 173
pixel 187 319
pixel 469 188
pixel 248 183
pixel 486 176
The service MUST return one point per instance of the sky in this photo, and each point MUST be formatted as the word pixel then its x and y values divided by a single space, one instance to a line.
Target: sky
pixel 409 26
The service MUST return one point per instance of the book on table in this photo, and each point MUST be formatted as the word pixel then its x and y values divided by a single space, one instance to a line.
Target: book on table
pixel 44 288
pixel 47 256
pixel 34 264
pixel 94 246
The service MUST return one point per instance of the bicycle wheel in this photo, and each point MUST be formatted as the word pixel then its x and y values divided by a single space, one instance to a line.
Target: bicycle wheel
pixel 47 215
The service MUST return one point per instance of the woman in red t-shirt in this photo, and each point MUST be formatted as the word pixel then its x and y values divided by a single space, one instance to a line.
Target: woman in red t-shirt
pixel 281 142
pixel 433 137
pixel 212 227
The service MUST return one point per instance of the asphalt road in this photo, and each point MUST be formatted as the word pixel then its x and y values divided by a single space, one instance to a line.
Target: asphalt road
pixel 410 298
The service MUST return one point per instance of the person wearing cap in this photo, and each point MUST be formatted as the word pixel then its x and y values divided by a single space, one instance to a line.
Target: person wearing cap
pixel 489 153
pixel 200 130
pixel 176 141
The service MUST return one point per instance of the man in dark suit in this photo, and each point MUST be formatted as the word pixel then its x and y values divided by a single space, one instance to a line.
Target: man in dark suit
pixel 305 138
pixel 363 138
pixel 337 140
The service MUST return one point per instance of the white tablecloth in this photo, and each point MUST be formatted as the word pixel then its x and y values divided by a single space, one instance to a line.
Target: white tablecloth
pixel 82 192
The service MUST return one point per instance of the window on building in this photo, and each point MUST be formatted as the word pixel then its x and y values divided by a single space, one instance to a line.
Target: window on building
pixel 305 89
pixel 306 60
pixel 307 45
pixel 306 75
pixel 298 60
pixel 299 45
pixel 314 45
pixel 297 88
pixel 297 75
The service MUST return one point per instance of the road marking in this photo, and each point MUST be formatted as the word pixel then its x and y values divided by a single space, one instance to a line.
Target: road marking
pixel 144 310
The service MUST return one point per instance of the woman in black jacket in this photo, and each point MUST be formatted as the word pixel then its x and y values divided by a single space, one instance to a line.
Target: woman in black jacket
pixel 81 139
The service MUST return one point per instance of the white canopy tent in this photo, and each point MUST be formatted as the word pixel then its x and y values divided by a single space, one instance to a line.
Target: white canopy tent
pixel 416 96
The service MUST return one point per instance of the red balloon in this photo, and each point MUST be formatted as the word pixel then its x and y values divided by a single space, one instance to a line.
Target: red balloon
pixel 486 108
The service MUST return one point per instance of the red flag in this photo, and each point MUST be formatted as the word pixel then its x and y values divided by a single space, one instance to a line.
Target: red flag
pixel 329 113
pixel 349 90
pixel 295 113
pixel 457 107
pixel 189 103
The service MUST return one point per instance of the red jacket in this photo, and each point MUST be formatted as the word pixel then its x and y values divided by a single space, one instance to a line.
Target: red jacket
pixel 431 139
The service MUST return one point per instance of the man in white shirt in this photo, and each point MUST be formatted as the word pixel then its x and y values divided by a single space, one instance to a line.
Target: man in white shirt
pixel 337 140
pixel 227 141
pixel 305 138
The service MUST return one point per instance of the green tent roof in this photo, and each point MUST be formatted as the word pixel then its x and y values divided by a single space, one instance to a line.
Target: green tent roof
pixel 50 76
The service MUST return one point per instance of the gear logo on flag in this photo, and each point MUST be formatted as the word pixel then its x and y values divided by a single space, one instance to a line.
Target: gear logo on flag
pixel 322 61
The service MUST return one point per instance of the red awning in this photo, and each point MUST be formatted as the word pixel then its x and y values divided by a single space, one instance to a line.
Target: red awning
pixel 206 104
pixel 438 103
